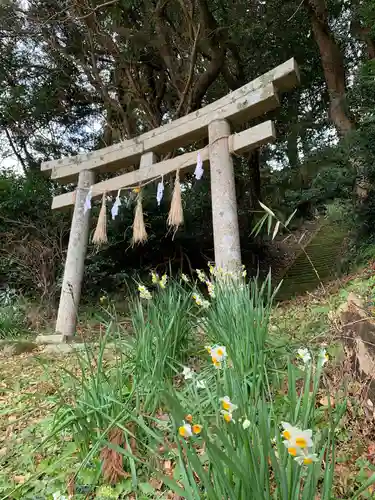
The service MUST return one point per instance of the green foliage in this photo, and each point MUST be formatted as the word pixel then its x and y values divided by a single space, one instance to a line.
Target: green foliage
pixel 164 328
pixel 33 238
pixel 12 318
pixel 12 322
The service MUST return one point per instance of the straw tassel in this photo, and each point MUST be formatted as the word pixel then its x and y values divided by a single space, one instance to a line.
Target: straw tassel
pixel 100 235
pixel 176 215
pixel 139 229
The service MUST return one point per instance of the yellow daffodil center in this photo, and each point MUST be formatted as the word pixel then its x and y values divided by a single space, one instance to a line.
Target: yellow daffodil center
pixel 292 451
pixel 220 352
pixel 136 190
pixel 301 442
pixel 197 429
pixel 287 435
pixel 189 418
pixel 182 431
pixel 227 417
pixel 226 405
pixel 307 461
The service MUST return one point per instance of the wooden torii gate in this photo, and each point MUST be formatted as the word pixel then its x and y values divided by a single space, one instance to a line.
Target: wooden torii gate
pixel 213 121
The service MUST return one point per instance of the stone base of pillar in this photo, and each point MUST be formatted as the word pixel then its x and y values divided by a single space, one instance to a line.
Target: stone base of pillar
pixel 52 339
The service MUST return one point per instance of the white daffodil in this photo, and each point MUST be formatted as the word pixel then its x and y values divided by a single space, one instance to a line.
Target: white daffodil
pixel 154 278
pixel 323 357
pixel 163 281
pixel 219 352
pixel 227 416
pixel 188 373
pixel 246 424
pixel 244 272
pixel 210 289
pixel 185 278
pixel 304 354
pixel 201 276
pixel 288 431
pixel 200 301
pixel 297 441
pixel 185 430
pixel 306 459
pixel 144 293
pixel 302 439
pixel 212 269
pixel 227 404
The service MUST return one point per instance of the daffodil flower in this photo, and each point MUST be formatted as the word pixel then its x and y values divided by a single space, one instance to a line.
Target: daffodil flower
pixel 189 418
pixel 246 424
pixel 210 289
pixel 163 281
pixel 154 277
pixel 227 416
pixel 219 352
pixel 306 459
pixel 185 430
pixel 227 404
pixel 323 357
pixel 212 269
pixel 201 276
pixel 200 301
pixel 302 439
pixel 296 438
pixel 197 429
pixel 288 431
pixel 188 373
pixel 144 293
pixel 185 278
pixel 304 354
pixel 244 272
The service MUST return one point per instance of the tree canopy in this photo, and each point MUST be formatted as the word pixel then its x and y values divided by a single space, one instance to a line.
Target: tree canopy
pixel 77 76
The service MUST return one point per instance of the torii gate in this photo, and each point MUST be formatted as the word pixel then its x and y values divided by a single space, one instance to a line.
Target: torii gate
pixel 213 121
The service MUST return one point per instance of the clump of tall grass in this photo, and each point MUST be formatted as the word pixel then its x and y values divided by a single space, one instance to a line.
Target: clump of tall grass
pixel 163 329
pixel 233 438
pixel 12 317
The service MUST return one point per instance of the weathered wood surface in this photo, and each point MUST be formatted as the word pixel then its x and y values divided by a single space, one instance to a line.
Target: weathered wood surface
pixel 238 143
pixel 251 100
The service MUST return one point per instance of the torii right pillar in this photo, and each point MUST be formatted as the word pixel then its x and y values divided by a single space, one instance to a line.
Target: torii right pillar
pixel 224 202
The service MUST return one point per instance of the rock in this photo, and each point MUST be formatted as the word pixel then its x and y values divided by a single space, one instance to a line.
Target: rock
pixel 58 349
pixel 51 339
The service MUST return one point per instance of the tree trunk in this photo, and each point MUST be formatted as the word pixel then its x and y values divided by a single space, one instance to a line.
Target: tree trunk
pixel 333 65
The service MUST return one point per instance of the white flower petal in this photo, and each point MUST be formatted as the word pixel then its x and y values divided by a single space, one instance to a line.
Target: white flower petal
pixel 246 424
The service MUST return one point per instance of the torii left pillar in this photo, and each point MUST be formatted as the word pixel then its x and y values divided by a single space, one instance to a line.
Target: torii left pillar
pixel 75 260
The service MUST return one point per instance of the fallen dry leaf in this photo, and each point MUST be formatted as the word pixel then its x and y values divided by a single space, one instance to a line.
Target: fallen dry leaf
pixel 326 402
pixel 156 483
pixel 371 453
pixel 19 479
